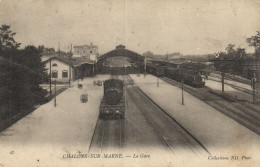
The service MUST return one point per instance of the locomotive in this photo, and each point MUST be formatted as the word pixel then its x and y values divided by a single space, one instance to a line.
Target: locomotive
pixel 112 103
pixel 193 78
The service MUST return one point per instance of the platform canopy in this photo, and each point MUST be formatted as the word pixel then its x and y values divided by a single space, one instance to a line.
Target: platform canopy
pixel 121 51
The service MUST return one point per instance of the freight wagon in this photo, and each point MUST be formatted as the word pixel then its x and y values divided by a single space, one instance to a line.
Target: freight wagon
pixel 189 72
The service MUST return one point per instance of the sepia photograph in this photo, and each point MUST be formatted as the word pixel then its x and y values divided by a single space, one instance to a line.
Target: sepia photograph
pixel 129 83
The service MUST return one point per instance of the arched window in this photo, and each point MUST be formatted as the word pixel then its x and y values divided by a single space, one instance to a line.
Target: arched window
pixel 64 74
pixel 54 74
pixel 54 65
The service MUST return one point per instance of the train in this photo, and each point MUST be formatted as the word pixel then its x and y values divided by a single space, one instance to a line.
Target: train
pixel 186 71
pixel 113 102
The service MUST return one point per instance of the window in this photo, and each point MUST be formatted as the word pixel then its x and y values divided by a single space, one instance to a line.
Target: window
pixel 91 51
pixel 54 65
pixel 54 74
pixel 64 74
pixel 77 51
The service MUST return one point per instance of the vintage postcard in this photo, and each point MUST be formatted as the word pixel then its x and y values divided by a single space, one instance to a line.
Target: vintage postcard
pixel 129 83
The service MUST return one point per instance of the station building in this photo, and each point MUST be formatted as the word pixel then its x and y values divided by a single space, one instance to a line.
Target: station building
pixel 66 69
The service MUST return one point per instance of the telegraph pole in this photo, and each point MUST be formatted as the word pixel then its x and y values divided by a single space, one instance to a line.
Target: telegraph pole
pixel 59 50
pixel 182 96
pixel 93 70
pixel 50 78
pixel 55 94
pixel 253 84
pixel 157 81
pixel 144 67
pixel 69 75
pixel 222 80
pixel 254 92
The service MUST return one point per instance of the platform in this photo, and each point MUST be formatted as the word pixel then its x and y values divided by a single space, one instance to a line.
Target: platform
pixel 218 133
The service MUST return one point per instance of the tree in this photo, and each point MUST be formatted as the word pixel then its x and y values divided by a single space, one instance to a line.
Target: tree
pixel 230 51
pixel 21 72
pixel 42 48
pixel 7 38
pixel 255 42
pixel 8 48
pixel 240 54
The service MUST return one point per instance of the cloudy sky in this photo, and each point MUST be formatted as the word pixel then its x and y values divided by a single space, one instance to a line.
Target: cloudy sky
pixel 186 26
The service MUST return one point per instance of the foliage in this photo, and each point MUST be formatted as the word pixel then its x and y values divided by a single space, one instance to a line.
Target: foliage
pixel 43 49
pixel 255 42
pixel 21 72
pixel 7 38
pixel 167 56
pixel 234 58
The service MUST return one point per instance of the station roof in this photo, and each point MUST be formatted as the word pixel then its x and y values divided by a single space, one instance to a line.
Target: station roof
pixel 120 51
pixel 74 62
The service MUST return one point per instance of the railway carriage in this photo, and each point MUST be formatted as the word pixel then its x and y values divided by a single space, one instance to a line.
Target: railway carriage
pixel 155 70
pixel 187 71
pixel 150 69
pixel 172 73
pixel 159 71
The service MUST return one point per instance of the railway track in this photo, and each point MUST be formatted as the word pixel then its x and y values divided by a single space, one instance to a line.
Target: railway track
pixel 108 136
pixel 231 77
pixel 238 111
pixel 114 134
pixel 250 92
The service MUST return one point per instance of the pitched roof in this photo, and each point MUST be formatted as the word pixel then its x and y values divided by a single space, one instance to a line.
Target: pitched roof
pixel 73 61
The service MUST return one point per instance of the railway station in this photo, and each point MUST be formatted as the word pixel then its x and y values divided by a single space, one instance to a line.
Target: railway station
pixel 129 83
pixel 153 108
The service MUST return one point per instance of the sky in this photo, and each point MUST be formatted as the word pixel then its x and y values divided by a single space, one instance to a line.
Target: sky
pixel 165 26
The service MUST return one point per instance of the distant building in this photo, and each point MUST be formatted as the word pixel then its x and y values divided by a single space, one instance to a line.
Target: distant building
pixel 65 69
pixel 46 57
pixel 48 53
pixel 88 51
